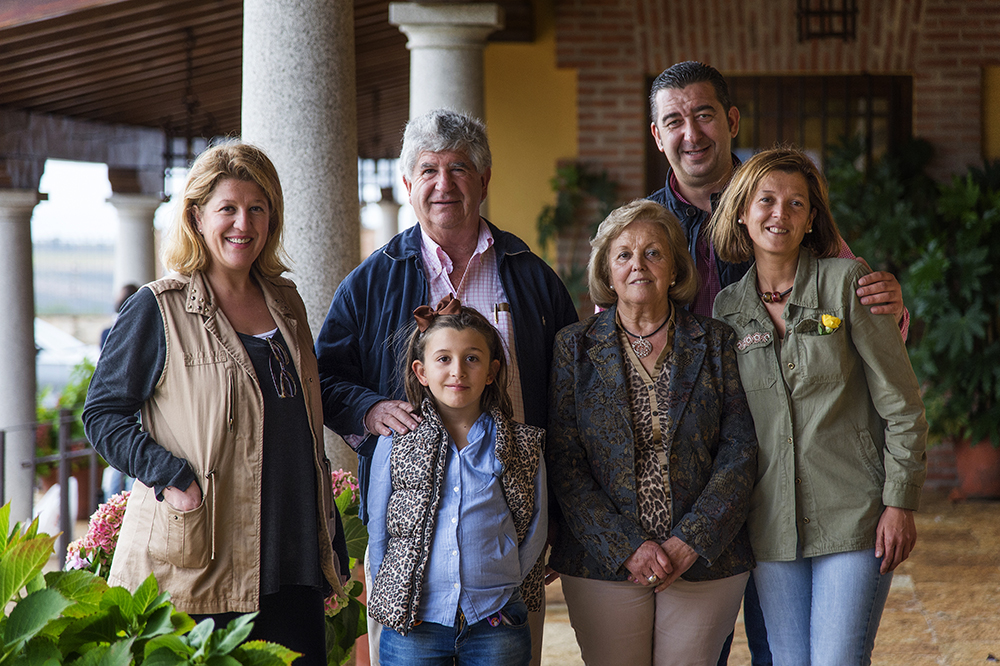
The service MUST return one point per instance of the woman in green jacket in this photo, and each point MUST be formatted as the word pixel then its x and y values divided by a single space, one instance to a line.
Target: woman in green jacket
pixel 837 410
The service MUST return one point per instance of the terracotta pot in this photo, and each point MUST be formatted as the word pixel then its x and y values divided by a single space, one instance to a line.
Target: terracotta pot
pixel 978 469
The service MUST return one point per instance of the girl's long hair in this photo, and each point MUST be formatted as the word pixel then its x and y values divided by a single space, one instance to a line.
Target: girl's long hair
pixel 494 394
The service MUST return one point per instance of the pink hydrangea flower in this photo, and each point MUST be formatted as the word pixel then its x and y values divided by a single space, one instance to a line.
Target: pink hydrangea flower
pixel 96 548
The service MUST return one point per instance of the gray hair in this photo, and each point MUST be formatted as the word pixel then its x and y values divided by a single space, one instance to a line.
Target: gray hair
pixel 441 130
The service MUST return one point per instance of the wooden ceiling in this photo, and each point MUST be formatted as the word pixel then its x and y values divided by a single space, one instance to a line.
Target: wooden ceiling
pixel 177 64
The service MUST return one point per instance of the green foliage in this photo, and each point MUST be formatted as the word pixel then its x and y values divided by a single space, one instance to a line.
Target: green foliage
pixel 354 530
pixel 574 184
pixel 883 213
pixel 346 617
pixel 583 199
pixel 73 397
pixel 344 628
pixel 956 294
pixel 941 241
pixel 74 617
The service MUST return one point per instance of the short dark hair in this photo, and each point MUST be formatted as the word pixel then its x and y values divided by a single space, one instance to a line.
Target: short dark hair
pixel 684 74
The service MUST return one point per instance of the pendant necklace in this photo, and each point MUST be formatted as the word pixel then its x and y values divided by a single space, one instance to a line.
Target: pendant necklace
pixel 641 346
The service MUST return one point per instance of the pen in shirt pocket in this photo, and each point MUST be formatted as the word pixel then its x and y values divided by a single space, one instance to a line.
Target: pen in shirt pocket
pixel 497 309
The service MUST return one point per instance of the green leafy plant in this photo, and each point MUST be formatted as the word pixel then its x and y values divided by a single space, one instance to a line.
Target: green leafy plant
pixel 955 284
pixel 941 242
pixel 346 618
pixel 584 197
pixel 345 614
pixel 74 617
pixel 884 211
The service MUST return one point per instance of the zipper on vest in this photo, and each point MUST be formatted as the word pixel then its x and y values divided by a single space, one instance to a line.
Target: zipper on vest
pixel 210 482
pixel 231 414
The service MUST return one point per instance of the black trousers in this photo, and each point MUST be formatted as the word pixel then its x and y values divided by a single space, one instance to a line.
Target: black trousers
pixel 292 617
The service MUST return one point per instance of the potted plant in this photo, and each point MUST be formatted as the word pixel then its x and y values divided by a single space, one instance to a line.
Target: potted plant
pixel 954 289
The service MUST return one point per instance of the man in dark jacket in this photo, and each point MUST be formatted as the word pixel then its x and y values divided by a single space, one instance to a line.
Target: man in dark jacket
pixel 446 166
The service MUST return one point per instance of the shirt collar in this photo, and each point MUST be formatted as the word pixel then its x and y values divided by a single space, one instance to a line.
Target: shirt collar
pixel 438 261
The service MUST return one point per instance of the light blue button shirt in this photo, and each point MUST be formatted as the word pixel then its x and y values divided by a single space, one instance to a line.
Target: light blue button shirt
pixel 475 560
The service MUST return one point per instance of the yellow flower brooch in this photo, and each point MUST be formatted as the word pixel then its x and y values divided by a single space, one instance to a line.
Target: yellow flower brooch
pixel 828 324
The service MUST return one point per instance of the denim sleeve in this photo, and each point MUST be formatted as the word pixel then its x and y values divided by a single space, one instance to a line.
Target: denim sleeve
pixel 128 370
pixel 378 501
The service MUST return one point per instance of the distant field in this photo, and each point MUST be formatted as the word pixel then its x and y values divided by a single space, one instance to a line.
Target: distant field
pixel 73 279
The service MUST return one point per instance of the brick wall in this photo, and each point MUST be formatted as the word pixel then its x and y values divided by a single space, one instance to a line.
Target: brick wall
pixel 615 44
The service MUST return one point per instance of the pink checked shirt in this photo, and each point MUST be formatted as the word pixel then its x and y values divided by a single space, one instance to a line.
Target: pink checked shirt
pixel 480 289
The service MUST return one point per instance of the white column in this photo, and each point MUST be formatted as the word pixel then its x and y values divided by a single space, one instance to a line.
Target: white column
pixel 390 218
pixel 135 257
pixel 17 381
pixel 299 105
pixel 446 45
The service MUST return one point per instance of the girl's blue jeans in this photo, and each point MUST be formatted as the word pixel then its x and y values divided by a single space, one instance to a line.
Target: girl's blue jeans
pixel 480 644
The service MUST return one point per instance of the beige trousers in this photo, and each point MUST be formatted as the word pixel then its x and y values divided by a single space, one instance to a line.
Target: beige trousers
pixel 623 623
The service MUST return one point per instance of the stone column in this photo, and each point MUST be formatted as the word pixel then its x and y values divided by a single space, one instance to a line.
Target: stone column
pixel 390 218
pixel 446 43
pixel 299 105
pixel 135 257
pixel 17 381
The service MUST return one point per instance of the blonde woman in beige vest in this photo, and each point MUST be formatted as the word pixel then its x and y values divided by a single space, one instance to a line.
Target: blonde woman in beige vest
pixel 232 509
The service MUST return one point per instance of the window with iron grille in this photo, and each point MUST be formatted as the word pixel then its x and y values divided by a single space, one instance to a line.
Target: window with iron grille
pixel 812 113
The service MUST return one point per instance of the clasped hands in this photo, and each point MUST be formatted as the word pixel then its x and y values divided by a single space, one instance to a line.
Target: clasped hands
pixel 660 564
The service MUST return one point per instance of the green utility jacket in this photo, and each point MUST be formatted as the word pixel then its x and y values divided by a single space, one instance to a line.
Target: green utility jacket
pixel 839 418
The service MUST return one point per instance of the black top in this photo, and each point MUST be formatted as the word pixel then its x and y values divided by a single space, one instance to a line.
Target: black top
pixel 288 553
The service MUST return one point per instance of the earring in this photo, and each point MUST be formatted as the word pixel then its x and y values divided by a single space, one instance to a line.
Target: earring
pixel 611 287
pixel 809 230
pixel 739 220
pixel 673 283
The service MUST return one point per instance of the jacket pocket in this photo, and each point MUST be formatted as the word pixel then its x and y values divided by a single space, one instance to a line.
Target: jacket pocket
pixel 757 364
pixel 182 538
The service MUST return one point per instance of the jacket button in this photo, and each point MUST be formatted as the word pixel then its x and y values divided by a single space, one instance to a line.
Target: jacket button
pixel 791 366
pixel 798 481
pixel 805 520
pixel 691 211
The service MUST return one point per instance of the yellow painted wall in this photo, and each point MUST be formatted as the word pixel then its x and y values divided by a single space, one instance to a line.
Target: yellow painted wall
pixel 531 117
pixel 991 112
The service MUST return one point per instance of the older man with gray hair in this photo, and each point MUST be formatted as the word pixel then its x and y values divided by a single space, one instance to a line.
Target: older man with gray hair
pixel 446 165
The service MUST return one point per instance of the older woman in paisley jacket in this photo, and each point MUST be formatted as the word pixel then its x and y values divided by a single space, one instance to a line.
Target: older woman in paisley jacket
pixel 651 455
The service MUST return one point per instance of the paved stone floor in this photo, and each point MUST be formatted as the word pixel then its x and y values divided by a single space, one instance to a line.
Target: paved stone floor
pixel 943 609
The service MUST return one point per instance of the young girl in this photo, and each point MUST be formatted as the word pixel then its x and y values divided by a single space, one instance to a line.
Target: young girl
pixel 457 507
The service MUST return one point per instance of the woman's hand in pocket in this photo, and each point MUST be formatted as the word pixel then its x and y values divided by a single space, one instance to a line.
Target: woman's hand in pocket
pixel 183 500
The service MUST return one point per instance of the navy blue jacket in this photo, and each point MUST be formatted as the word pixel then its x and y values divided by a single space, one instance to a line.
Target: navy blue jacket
pixel 359 358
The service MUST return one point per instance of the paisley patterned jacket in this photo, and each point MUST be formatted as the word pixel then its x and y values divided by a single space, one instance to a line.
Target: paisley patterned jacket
pixel 417 462
pixel 708 436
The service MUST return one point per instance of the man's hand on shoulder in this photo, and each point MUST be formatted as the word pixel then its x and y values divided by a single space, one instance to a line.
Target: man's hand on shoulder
pixel 390 416
pixel 880 291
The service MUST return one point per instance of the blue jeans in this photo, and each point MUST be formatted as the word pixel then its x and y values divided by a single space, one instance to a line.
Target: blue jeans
pixel 823 610
pixel 479 644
